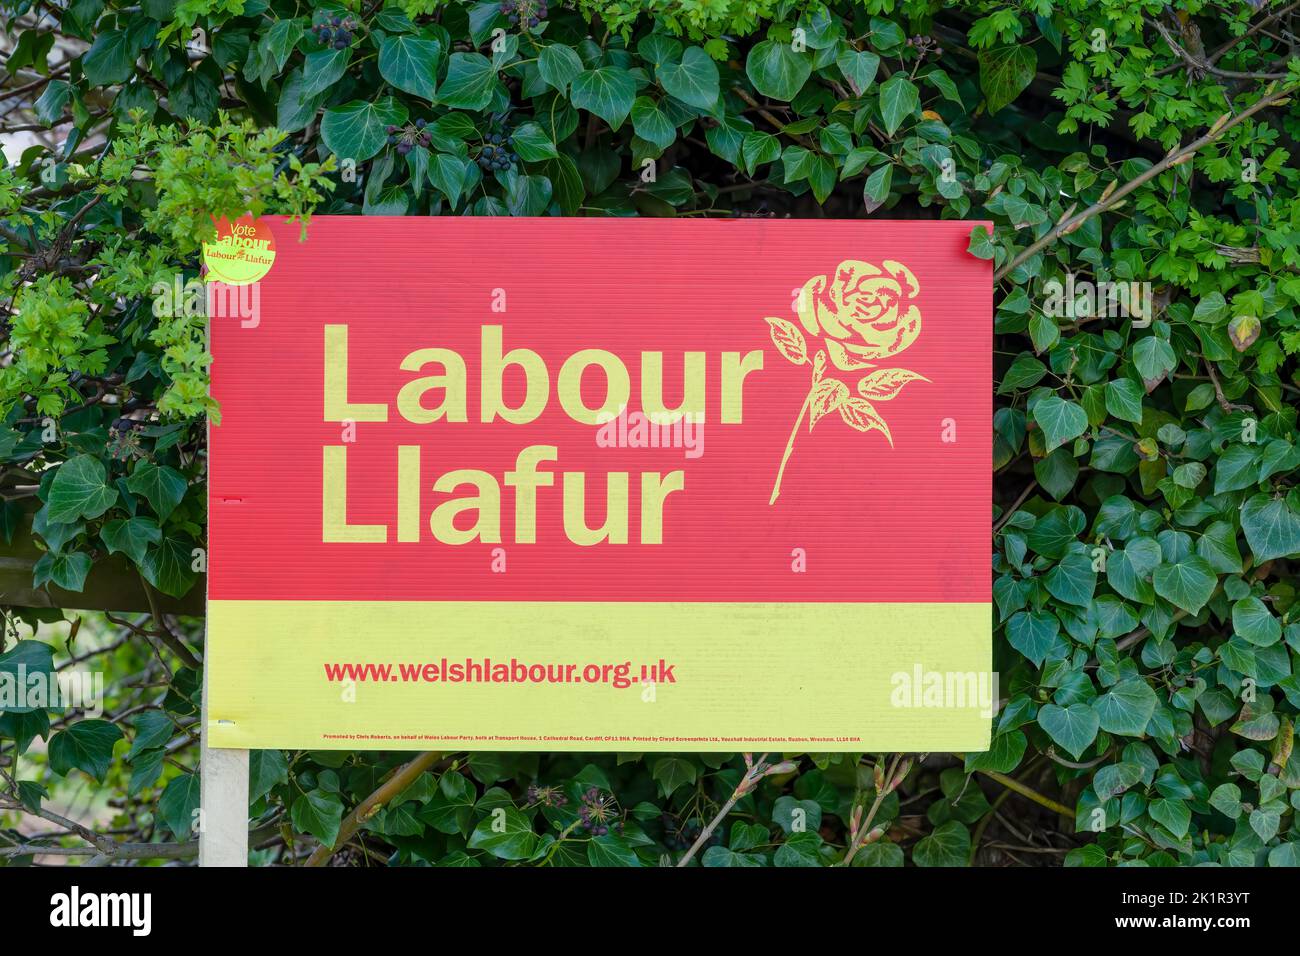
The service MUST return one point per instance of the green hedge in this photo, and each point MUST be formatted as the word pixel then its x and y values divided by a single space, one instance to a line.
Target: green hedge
pixel 1146 524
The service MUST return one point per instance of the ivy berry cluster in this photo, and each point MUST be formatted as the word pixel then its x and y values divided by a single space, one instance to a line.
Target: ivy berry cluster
pixel 528 12
pixel 598 812
pixel 405 138
pixel 497 153
pixel 337 32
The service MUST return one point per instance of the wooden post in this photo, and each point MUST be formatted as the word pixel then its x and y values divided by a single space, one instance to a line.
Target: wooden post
pixel 223 797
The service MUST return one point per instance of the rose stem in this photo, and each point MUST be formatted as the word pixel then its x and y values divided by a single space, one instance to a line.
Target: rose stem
pixel 789 447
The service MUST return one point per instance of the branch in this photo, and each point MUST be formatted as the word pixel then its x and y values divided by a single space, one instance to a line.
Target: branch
pixel 1174 158
pixel 174 643
pixel 862 833
pixel 112 851
pixel 1012 784
pixel 755 771
pixel 1203 66
pixel 367 808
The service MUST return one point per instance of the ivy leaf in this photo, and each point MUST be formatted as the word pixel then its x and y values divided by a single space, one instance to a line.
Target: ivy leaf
pixel 80 489
pixel 178 803
pixel 295 109
pixel 1033 633
pixel 1218 546
pixel 1272 528
pixel 87 745
pixel 1060 420
pixel 49 107
pixel 470 82
pixel 1243 331
pixel 651 123
pixel 131 536
pixel 880 853
pixel 410 63
pixel 451 808
pixel 800 849
pixel 1154 359
pixel 1073 581
pixel 693 80
pixel 567 180
pixel 981 246
pixel 607 92
pixel 1237 468
pixel 1124 400
pixel 1005 72
pixel 65 570
pixel 611 850
pixel 1186 584
pixel 447 175
pixel 168 566
pixel 528 195
pixel 948 845
pixel 24 659
pixel 1003 756
pixel 671 773
pixel 1212 309
pixel 505 833
pixel 858 68
pixel 1173 815
pixel 153 728
pixel 267 769
pixel 1126 708
pixel 757 148
pixel 1263 821
pixel 876 188
pixel 721 856
pixel 319 814
pixel 161 486
pixel 558 65
pixel 1252 620
pixel 809 814
pixel 531 143
pixel 1114 779
pixel 110 59
pixel 322 69
pixel 358 130
pixel 1073 727
pixel 899 99
pixel 777 71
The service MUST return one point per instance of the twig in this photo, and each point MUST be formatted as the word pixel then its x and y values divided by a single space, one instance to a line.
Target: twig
pixel 984 821
pixel 1174 158
pixel 755 771
pixel 1006 515
pixel 771 117
pixel 1227 406
pixel 862 832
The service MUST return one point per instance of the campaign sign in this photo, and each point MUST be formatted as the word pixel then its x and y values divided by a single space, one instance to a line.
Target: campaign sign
pixel 603 484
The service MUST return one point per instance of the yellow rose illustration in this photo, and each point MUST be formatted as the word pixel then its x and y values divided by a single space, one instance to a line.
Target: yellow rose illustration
pixel 862 313
pixel 865 311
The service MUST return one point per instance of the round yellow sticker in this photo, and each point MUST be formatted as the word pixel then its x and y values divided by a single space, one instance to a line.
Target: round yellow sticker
pixel 243 251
